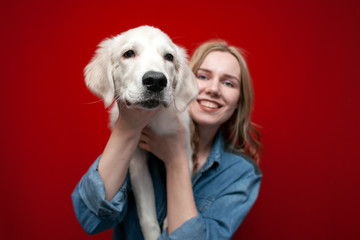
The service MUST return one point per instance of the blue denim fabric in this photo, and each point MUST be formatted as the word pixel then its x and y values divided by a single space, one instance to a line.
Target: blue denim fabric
pixel 225 189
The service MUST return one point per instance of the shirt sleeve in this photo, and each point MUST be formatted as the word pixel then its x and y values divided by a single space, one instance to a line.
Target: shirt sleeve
pixel 224 216
pixel 94 213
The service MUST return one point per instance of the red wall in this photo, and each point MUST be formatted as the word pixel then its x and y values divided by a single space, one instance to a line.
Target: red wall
pixel 304 59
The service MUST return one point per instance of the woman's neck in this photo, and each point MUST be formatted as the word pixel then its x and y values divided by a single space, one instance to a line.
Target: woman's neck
pixel 206 136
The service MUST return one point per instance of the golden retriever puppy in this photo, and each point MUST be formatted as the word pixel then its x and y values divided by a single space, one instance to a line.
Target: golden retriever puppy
pixel 143 68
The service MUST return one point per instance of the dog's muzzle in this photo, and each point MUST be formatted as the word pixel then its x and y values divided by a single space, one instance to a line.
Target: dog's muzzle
pixel 154 81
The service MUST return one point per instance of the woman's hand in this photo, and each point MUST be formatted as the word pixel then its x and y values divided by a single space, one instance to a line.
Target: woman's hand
pixel 170 148
pixel 133 119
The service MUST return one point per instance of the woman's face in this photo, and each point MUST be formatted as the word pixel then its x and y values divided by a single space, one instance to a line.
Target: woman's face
pixel 219 89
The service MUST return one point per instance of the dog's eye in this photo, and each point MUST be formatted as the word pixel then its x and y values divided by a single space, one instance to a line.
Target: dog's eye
pixel 169 57
pixel 129 54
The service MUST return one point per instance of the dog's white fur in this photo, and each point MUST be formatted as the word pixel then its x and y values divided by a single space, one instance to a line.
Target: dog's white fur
pixel 113 75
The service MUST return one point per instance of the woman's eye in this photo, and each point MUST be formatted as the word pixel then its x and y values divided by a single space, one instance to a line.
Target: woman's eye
pixel 201 77
pixel 129 54
pixel 228 84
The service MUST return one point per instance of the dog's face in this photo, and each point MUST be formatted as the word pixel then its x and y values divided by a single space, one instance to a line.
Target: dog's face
pixel 143 68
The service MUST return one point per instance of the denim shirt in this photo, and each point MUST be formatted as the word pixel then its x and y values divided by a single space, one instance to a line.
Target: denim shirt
pixel 225 189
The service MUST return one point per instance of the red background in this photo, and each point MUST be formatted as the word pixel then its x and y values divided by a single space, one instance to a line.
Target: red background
pixel 304 60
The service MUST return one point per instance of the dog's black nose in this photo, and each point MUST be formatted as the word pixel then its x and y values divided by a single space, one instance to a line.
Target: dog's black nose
pixel 154 81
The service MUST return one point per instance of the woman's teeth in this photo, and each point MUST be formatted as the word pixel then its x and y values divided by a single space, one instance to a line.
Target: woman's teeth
pixel 209 104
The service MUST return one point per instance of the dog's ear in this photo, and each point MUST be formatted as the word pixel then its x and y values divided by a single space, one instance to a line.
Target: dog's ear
pixel 186 89
pixel 98 73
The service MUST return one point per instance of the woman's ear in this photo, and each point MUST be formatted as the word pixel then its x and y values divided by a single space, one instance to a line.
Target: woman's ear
pixel 98 73
pixel 186 89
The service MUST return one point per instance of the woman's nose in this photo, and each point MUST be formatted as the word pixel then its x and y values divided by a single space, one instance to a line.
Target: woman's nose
pixel 213 87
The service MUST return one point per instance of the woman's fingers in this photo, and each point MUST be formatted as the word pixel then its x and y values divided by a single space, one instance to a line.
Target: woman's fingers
pixel 147 131
pixel 145 138
pixel 144 146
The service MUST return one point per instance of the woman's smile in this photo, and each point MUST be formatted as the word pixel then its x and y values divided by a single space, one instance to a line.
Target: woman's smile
pixel 209 105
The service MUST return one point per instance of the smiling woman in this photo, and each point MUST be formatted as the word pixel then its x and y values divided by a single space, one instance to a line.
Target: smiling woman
pixel 209 202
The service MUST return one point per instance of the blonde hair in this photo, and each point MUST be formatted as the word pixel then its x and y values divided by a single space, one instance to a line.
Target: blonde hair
pixel 239 132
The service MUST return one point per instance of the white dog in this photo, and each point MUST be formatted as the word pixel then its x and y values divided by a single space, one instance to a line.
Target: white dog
pixel 144 69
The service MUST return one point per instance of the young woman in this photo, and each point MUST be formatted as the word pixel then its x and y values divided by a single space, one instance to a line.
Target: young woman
pixel 209 203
